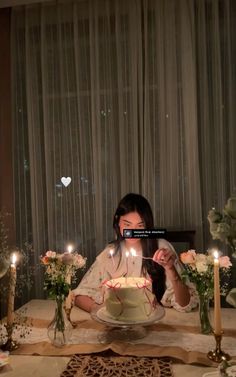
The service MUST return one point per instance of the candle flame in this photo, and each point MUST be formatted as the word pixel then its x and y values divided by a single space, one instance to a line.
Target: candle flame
pixel 111 252
pixel 13 259
pixel 133 252
pixel 215 253
pixel 69 248
pixel 127 254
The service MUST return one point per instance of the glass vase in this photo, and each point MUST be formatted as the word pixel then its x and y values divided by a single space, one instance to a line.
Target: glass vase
pixel 205 323
pixel 60 329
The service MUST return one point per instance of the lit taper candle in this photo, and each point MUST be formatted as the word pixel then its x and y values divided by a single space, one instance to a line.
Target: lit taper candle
pixel 217 308
pixel 11 293
pixel 68 278
pixel 127 265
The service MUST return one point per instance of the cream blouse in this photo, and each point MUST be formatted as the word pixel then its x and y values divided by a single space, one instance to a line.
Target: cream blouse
pixel 105 268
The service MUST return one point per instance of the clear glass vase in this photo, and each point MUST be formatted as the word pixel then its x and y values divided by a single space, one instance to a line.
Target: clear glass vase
pixel 205 323
pixel 60 329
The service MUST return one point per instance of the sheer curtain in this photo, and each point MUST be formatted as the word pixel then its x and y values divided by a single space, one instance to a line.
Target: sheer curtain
pixel 120 96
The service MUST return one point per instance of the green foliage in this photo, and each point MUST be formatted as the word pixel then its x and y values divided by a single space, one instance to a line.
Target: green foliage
pixel 223 224
pixel 60 269
pixel 199 269
pixel 21 324
pixel 56 288
pixel 204 281
pixel 4 248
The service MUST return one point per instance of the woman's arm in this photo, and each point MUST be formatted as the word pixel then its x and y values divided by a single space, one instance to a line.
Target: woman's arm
pixel 89 291
pixel 166 258
pixel 84 302
pixel 181 291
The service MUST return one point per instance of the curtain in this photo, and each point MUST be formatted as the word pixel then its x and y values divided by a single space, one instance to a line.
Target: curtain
pixel 120 96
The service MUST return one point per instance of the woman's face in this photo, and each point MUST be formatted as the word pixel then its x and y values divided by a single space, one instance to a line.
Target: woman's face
pixel 131 220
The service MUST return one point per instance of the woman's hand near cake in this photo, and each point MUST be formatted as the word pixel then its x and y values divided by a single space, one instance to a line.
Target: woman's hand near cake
pixel 85 302
pixel 167 258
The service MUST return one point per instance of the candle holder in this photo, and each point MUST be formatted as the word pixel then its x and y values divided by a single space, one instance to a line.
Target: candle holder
pixel 217 354
pixel 10 344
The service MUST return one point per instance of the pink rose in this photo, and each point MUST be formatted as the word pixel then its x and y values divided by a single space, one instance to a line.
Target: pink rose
pixel 225 262
pixel 80 261
pixel 45 260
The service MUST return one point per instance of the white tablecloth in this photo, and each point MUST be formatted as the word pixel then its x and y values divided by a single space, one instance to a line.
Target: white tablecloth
pixel 39 366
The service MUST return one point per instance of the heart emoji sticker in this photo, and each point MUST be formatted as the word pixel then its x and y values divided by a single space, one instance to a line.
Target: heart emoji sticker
pixel 66 181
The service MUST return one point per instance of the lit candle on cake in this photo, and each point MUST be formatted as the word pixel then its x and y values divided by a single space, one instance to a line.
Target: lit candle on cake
pixel 127 264
pixel 217 308
pixel 133 252
pixel 111 252
pixel 11 294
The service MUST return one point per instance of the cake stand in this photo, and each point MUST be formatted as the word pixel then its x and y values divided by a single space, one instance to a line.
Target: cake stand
pixel 124 331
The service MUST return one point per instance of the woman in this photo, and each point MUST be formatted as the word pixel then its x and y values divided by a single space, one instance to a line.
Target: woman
pixel 155 258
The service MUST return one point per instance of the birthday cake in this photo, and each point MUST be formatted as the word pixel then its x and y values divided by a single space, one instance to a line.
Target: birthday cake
pixel 129 299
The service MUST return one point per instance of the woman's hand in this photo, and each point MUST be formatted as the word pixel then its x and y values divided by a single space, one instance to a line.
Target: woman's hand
pixel 165 257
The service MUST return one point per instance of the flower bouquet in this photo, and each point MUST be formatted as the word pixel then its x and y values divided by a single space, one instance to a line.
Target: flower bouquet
pixel 199 270
pixel 223 225
pixel 60 269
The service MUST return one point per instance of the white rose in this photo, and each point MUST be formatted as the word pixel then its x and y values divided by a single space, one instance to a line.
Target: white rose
pixel 223 231
pixel 201 266
pixel 230 207
pixel 214 216
pixel 201 262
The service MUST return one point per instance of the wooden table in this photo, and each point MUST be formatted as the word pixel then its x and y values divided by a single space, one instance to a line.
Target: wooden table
pixel 23 364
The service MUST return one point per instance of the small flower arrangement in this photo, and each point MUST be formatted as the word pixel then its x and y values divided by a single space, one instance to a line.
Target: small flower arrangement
pixel 199 270
pixel 60 268
pixel 223 225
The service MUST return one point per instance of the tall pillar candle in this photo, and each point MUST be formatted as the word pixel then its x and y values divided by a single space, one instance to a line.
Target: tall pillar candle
pixel 68 275
pixel 217 308
pixel 68 281
pixel 11 292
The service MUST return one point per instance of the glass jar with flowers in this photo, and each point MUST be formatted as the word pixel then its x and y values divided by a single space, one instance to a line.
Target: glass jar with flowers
pixel 199 270
pixel 60 268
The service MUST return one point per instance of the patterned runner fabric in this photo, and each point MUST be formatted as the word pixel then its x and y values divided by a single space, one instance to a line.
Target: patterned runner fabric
pixel 109 364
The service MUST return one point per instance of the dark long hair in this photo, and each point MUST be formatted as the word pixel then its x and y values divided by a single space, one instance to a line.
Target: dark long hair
pixel 137 203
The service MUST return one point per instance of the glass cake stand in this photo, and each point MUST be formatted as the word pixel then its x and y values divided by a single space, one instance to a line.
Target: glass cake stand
pixel 120 330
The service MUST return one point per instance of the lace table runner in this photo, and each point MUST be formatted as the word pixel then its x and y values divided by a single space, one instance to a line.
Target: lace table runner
pixel 179 341
pixel 109 364
pixel 159 336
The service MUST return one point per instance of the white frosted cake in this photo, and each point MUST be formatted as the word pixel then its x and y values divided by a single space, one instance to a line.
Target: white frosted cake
pixel 129 299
